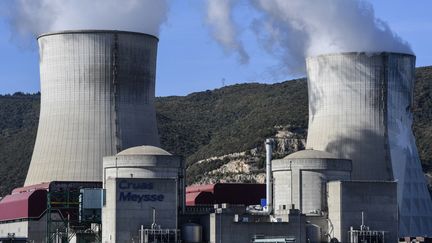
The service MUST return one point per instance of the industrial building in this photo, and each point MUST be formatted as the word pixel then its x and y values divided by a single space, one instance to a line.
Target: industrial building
pixel 97 99
pixel 231 193
pixel 360 108
pixel 98 173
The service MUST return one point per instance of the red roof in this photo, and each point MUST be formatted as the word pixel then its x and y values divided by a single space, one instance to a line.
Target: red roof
pixel 31 201
pixel 232 193
pixel 43 186
pixel 200 188
pixel 29 204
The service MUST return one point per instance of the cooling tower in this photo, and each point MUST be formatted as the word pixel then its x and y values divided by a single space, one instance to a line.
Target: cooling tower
pixel 360 108
pixel 97 99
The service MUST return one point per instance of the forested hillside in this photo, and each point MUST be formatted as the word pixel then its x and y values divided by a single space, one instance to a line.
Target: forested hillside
pixel 204 124
pixel 18 123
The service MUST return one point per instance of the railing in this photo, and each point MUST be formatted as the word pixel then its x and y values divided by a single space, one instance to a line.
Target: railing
pixel 159 235
pixel 366 236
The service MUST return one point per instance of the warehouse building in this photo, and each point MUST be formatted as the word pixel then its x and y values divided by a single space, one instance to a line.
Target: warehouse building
pixel 231 193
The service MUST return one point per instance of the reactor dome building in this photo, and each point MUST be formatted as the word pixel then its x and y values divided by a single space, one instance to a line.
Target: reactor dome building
pixel 360 108
pixel 97 99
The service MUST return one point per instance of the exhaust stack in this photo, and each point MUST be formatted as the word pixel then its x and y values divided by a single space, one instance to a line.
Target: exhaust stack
pixel 269 181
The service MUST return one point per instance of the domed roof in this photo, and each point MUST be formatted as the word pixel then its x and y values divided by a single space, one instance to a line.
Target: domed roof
pixel 311 154
pixel 144 150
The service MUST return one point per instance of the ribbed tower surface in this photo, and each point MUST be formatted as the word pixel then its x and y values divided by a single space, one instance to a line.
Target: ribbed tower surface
pixel 97 99
pixel 360 108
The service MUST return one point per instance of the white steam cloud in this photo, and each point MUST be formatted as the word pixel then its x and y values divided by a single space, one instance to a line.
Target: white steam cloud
pixel 39 16
pixel 291 30
pixel 295 29
pixel 219 17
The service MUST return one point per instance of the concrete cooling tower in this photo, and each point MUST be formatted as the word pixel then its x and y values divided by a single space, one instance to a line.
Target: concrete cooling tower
pixel 97 99
pixel 360 108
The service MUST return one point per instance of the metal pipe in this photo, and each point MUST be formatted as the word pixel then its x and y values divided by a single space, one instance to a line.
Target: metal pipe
pixel 269 181
pixel 153 225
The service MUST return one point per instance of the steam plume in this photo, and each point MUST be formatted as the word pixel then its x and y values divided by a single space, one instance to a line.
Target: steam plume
pixel 295 29
pixel 223 28
pixel 40 16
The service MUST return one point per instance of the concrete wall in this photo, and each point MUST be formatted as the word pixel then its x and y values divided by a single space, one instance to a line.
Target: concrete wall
pixel 34 230
pixel 147 166
pixel 142 166
pixel 378 201
pixel 413 196
pixel 20 229
pixel 347 111
pixel 360 108
pixel 38 230
pixel 224 229
pixel 136 181
pixel 302 182
pixel 97 98
pixel 135 199
pixel 109 219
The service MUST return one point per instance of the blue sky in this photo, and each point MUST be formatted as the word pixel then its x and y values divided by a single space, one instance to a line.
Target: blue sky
pixel 190 60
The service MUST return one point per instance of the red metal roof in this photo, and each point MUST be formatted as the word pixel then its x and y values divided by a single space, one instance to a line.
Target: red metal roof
pixel 31 201
pixel 232 193
pixel 44 186
pixel 200 188
pixel 199 198
pixel 29 204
